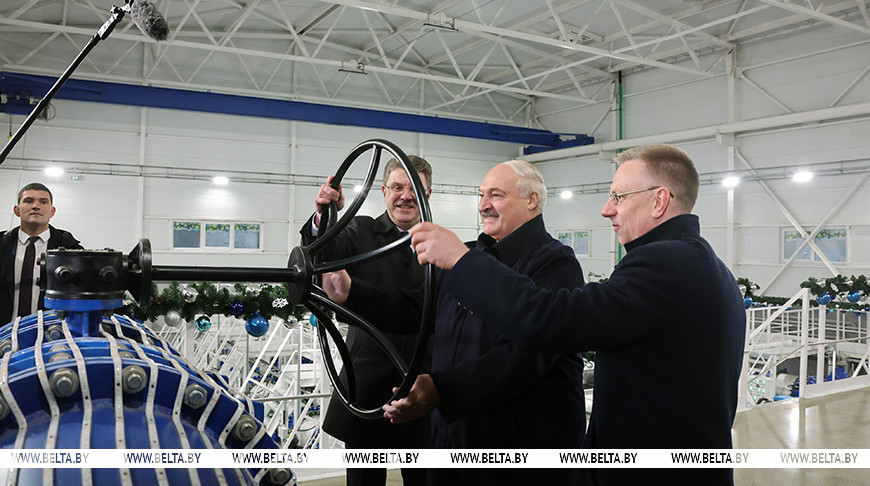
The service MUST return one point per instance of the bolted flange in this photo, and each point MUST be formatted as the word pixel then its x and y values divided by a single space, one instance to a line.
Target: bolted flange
pixel 245 429
pixel 53 332
pixel 4 408
pixel 194 396
pixel 133 379
pixel 64 382
pixel 5 346
pixel 58 347
pixel 59 357
pixel 279 475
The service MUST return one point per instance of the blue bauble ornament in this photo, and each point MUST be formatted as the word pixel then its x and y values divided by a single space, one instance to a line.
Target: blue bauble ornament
pixel 202 323
pixel 824 299
pixel 854 297
pixel 312 319
pixel 747 302
pixel 257 325
pixel 236 308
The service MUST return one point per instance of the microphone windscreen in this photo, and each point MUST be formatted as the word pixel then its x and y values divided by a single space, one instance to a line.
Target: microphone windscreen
pixel 149 20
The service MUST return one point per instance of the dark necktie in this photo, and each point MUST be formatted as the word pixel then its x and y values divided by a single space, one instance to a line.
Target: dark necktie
pixel 25 288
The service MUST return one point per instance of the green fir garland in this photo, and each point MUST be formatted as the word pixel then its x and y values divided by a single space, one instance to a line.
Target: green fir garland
pixel 840 286
pixel 270 300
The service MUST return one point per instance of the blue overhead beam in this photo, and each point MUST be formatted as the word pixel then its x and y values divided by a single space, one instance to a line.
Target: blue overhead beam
pixel 178 99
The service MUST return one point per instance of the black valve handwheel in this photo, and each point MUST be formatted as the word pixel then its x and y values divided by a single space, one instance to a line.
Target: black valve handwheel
pixel 318 303
pixel 306 264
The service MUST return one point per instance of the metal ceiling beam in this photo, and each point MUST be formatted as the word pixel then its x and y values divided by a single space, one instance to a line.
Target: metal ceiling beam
pixel 525 21
pixel 774 25
pixel 294 58
pixel 816 14
pixel 683 29
pixel 466 26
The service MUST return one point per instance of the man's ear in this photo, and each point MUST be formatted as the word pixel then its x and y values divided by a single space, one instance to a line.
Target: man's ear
pixel 16 211
pixel 661 203
pixel 53 209
pixel 534 199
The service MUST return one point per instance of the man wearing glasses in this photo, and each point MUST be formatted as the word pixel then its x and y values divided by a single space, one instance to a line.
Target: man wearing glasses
pixel 375 373
pixel 667 326
pixel 484 391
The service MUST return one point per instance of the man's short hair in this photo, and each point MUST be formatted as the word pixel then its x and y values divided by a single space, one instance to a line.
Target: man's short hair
pixel 530 180
pixel 670 166
pixel 420 165
pixel 35 186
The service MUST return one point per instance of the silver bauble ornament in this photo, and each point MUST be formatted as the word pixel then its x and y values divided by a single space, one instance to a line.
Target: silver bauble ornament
pixel 172 318
pixel 190 294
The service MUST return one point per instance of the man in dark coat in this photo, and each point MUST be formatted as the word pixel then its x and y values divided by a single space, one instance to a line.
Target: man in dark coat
pixel 485 392
pixel 375 373
pixel 35 207
pixel 668 325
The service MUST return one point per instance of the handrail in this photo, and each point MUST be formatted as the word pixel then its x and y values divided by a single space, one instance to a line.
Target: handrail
pixel 781 331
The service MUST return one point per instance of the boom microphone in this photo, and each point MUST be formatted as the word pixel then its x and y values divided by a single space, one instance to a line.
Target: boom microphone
pixel 148 19
pixel 143 14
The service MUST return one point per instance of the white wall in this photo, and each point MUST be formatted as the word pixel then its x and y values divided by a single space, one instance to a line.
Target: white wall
pixel 106 210
pixel 661 103
pixel 111 206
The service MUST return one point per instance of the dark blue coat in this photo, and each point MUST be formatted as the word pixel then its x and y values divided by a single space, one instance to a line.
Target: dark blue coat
pixel 495 394
pixel 668 330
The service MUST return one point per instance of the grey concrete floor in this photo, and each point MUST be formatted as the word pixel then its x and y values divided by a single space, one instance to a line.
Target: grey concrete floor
pixel 840 421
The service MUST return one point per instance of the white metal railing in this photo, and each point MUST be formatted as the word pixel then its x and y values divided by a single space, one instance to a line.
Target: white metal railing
pixel 284 369
pixel 793 335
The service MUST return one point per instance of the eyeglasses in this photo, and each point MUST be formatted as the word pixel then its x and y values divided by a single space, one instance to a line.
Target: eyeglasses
pixel 399 188
pixel 617 197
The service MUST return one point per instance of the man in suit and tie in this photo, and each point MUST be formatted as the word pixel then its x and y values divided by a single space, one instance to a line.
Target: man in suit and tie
pixel 375 374
pixel 20 248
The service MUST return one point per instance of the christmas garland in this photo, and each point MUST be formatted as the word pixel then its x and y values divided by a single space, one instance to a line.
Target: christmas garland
pixel 748 289
pixel 843 292
pixel 246 301
pixel 839 293
pixel 204 298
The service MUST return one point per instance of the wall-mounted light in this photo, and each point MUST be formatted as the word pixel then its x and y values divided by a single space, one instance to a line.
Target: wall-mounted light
pixel 220 180
pixel 566 195
pixel 802 176
pixel 53 171
pixel 730 181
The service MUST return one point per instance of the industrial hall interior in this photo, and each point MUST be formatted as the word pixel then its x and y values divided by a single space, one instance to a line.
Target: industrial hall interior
pixel 300 228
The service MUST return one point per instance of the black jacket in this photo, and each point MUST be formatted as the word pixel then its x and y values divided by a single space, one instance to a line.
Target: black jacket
pixel 376 376
pixel 495 394
pixel 668 330
pixel 8 246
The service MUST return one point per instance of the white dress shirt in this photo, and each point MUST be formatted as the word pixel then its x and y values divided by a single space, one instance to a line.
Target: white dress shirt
pixel 41 247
